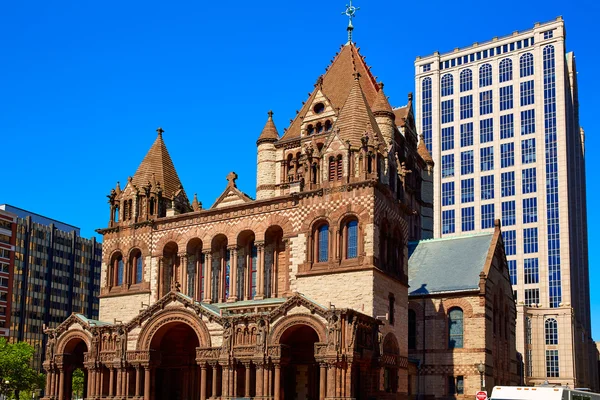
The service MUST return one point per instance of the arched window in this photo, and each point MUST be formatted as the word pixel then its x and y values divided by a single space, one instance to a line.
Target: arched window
pixel 322 241
pixel 319 127
pixel 253 268
pixel 339 169
pixel 466 80
pixel 310 130
pixel 455 328
pixel 447 85
pixel 116 215
pixel 528 331
pixel 120 271
pixel 332 169
pixel 505 70
pixel 327 125
pixel 526 64
pixel 117 270
pixel 136 265
pixel 351 229
pixel 152 201
pixel 315 173
pixel 551 331
pixel 412 329
pixel 485 75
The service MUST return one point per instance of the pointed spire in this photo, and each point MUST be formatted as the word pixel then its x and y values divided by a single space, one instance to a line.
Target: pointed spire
pixel 381 104
pixel 158 169
pixel 118 188
pixel 196 205
pixel 269 132
pixel 423 152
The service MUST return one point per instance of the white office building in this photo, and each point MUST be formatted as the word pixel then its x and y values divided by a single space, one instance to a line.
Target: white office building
pixel 500 119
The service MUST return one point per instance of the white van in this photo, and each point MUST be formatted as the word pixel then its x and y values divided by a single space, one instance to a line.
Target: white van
pixel 540 393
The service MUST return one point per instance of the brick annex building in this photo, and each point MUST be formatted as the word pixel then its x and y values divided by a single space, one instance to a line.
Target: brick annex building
pixel 299 294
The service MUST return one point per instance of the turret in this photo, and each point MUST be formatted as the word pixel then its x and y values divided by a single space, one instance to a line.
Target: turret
pixel 265 160
pixel 384 115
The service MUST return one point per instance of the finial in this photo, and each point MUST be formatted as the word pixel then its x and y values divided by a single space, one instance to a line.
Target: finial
pixel 160 131
pixel 381 85
pixel 356 76
pixel 231 177
pixel 350 11
pixel 270 113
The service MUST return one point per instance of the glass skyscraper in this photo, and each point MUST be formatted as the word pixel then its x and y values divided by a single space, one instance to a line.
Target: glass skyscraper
pixel 500 120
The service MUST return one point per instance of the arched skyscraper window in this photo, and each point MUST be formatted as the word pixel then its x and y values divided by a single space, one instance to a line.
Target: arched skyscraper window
pixel 505 73
pixel 526 64
pixel 466 80
pixel 485 75
pixel 447 85
pixel 455 328
pixel 551 331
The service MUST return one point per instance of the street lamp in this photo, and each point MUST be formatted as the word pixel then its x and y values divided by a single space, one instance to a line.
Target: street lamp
pixel 481 369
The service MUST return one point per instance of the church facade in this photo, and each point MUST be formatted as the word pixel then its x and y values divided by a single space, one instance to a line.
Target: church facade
pixel 301 293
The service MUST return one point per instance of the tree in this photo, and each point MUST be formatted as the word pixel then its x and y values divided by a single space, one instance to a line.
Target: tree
pixel 16 373
pixel 77 383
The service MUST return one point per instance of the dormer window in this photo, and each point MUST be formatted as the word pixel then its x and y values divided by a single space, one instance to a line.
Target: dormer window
pixel 319 108
pixel 319 127
pixel 310 130
pixel 327 126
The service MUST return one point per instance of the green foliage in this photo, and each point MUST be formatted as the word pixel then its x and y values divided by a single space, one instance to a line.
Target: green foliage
pixel 16 374
pixel 77 383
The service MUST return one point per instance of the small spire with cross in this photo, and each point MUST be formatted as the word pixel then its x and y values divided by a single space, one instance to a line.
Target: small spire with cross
pixel 231 177
pixel 160 131
pixel 350 13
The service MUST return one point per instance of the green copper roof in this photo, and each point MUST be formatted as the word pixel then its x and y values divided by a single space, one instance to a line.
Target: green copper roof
pixel 448 264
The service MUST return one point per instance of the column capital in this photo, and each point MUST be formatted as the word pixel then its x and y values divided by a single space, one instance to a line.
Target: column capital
pixel 233 247
pixel 260 244
pixel 207 252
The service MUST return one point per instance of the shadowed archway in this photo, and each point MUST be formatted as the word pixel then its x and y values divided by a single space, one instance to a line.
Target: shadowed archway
pixel 300 370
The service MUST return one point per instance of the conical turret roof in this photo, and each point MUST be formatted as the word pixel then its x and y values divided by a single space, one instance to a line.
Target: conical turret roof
pixel 269 132
pixel 158 167
pixel 381 103
pixel 423 152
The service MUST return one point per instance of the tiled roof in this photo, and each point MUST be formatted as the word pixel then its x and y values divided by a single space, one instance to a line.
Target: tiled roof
pixel 356 117
pixel 401 114
pixel 423 152
pixel 448 264
pixel 269 132
pixel 381 103
pixel 157 166
pixel 337 83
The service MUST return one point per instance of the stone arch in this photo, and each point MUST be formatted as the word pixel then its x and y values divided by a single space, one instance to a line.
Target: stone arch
pixel 68 337
pixel 172 236
pixel 110 252
pixel 313 217
pixel 390 344
pixel 298 319
pixel 463 304
pixel 168 316
pixel 276 220
pixel 142 245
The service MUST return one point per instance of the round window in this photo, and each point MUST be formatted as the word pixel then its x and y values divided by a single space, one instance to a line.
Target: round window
pixel 319 108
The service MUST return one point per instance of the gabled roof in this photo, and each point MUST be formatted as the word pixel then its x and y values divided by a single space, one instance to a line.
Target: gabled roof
pixel 337 83
pixel 447 264
pixel 158 167
pixel 356 117
pixel 231 195
pixel 80 319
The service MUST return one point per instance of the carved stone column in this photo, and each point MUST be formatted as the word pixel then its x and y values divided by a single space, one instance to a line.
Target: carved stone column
pixel 277 394
pixel 247 366
pixel 267 380
pixel 260 290
pixel 322 381
pixel 182 272
pixel 233 262
pixel 331 380
pixel 207 275
pixel 215 370
pixel 259 379
pixel 203 381
pixel 147 381
pixel 138 381
pixel 61 384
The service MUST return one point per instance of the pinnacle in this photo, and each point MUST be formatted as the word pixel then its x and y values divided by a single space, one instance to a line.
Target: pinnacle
pixel 269 132
pixel 381 103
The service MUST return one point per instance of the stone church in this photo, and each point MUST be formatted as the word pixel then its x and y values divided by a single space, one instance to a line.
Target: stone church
pixel 301 293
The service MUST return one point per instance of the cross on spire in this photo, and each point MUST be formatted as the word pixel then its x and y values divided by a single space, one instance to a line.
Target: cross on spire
pixel 160 131
pixel 350 12
pixel 231 177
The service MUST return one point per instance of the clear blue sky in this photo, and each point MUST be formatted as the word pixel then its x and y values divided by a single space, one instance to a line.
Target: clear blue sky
pixel 84 85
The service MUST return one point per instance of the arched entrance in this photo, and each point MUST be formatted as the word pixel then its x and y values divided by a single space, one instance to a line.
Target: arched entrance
pixel 73 361
pixel 300 371
pixel 176 377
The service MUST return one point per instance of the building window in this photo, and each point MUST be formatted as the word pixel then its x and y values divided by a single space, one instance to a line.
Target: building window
pixel 552 367
pixel 466 134
pixel 505 73
pixel 448 138
pixel 427 67
pixel 507 155
pixel 512 271
pixel 508 213
pixel 508 183
pixel 527 122
pixel 447 165
pixel 530 240
pixel 466 107
pixel 487 158
pixel 529 210
pixel 510 242
pixel 548 35
pixel 352 239
pixel 447 85
pixel 526 65
pixel 529 180
pixel 467 190
pixel 391 308
pixel 528 151
pixel 466 162
pixel 528 335
pixel 532 297
pixel 448 222
pixel 527 93
pixel 485 75
pixel 323 243
pixel 466 80
pixel 468 219
pixel 447 111
pixel 487 216
pixel 529 363
pixel 412 330
pixel 487 187
pixel 486 130
pixel 253 272
pixel 507 126
pixel 506 98
pixel 455 328
pixel 447 193
pixel 456 385
pixel 486 102
pixel 4 282
pixel 426 111
pixel 551 326
pixel 531 270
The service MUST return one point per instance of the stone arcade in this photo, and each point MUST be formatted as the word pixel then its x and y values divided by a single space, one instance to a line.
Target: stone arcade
pixel 299 294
